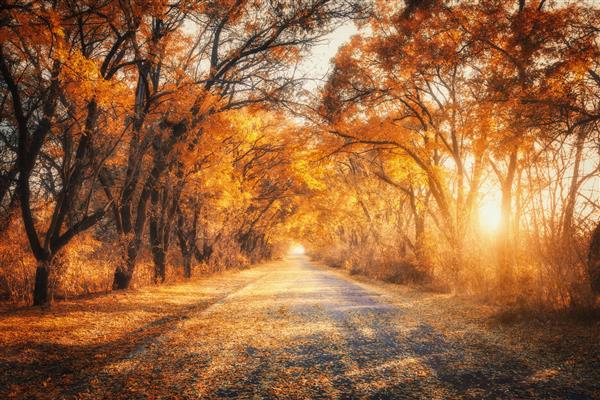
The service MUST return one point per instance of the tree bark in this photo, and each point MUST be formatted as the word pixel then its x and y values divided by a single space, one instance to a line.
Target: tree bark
pixel 187 265
pixel 124 271
pixel 505 249
pixel 160 260
pixel 567 226
pixel 6 180
pixel 594 260
pixel 122 278
pixel 41 295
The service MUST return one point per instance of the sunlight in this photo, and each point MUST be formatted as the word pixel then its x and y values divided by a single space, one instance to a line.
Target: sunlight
pixel 490 215
pixel 297 250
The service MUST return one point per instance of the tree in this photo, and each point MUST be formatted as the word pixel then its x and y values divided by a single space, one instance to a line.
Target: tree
pixel 594 260
pixel 62 105
pixel 459 92
pixel 241 55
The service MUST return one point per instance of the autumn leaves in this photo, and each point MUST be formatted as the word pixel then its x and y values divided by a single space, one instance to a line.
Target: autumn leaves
pixel 434 107
pixel 130 120
pixel 162 130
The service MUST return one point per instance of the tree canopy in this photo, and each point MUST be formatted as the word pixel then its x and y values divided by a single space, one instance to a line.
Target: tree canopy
pixel 453 142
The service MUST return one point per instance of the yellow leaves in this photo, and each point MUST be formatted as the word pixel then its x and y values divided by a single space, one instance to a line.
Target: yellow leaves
pixel 398 168
pixel 155 8
pixel 34 35
pixel 480 145
pixel 219 181
pixel 310 173
pixel 207 101
pixel 76 67
pixel 55 22
pixel 235 163
pixel 288 55
pixel 82 82
pixel 58 31
pixel 248 126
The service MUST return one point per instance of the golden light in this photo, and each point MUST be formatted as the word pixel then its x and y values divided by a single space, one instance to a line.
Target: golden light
pixel 490 215
pixel 297 250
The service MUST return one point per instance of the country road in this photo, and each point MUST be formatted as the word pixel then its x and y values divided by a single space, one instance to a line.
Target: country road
pixel 288 329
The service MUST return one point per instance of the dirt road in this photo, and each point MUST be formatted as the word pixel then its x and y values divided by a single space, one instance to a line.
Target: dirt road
pixel 291 329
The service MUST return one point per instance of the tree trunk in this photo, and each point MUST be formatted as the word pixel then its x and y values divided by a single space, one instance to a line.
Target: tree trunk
pixel 159 258
pixel 186 250
pixel 187 265
pixel 594 260
pixel 41 295
pixel 505 249
pixel 505 270
pixel 567 226
pixel 6 180
pixel 122 278
pixel 124 271
pixel 420 250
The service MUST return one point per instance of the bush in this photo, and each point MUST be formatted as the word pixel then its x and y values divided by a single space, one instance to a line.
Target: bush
pixel 17 265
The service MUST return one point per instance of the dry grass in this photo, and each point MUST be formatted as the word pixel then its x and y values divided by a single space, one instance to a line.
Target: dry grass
pixel 289 330
pixel 56 343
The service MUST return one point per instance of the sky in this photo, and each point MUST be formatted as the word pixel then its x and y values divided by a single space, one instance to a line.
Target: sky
pixel 317 64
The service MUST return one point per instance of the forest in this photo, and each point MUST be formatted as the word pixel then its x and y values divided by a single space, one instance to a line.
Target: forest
pixel 453 144
pixel 304 199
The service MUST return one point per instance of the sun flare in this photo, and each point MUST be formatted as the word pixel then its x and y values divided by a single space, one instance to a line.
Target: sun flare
pixel 490 215
pixel 297 250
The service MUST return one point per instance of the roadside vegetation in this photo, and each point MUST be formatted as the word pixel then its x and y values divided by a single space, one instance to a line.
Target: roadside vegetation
pixel 143 142
pixel 462 147
pixel 454 144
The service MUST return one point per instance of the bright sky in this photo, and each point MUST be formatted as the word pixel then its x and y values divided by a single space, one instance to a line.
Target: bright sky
pixel 317 64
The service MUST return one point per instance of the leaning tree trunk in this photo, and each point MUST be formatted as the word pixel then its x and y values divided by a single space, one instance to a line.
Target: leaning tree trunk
pixel 594 260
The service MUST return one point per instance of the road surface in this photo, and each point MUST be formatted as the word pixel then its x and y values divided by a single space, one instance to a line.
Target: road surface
pixel 292 329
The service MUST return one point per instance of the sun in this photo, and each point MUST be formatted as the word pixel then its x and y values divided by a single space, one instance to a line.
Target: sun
pixel 490 215
pixel 297 250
